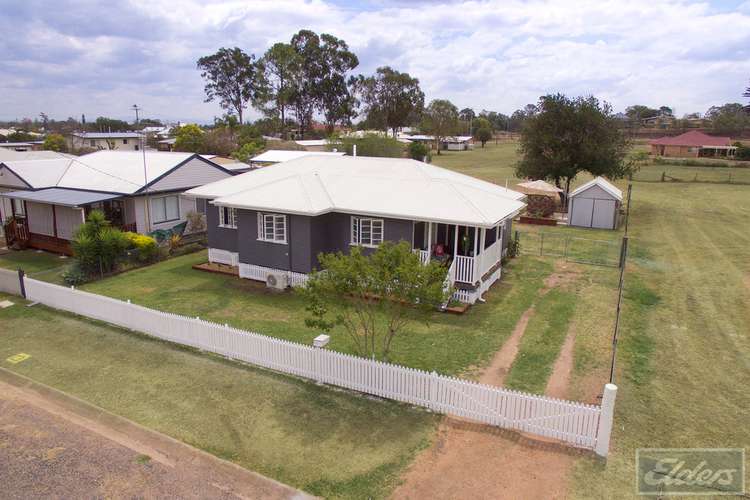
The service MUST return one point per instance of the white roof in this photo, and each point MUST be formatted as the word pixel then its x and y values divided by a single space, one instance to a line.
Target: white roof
pixel 385 187
pixel 540 186
pixel 421 137
pixel 602 183
pixel 10 155
pixel 107 171
pixel 107 135
pixel 313 142
pixel 278 155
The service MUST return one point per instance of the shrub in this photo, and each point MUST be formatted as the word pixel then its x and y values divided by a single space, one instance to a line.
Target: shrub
pixel 97 246
pixel 369 145
pixel 143 248
pixel 419 151
pixel 743 152
pixel 74 275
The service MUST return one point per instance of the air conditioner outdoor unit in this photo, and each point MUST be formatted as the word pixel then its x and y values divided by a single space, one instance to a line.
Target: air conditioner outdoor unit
pixel 277 280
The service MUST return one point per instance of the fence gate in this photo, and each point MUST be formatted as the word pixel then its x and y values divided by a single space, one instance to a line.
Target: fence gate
pixel 570 248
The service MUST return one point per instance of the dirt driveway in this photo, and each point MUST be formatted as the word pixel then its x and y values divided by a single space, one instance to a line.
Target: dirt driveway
pixel 51 447
pixel 469 460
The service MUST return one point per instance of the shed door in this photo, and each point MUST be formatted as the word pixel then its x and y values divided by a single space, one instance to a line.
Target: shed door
pixel 604 214
pixel 581 213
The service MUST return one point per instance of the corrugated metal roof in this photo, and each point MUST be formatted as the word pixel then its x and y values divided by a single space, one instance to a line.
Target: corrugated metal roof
pixel 693 138
pixel 107 135
pixel 602 183
pixel 60 196
pixel 385 187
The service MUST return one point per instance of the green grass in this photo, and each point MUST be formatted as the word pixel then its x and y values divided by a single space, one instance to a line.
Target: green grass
pixel 31 261
pixel 447 344
pixel 706 174
pixel 328 442
pixel 684 346
pixel 542 341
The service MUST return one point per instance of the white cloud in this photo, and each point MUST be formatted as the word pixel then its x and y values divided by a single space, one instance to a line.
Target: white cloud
pixel 493 54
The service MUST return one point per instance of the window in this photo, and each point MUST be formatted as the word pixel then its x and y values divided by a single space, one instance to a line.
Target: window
pixel 367 232
pixel 227 217
pixel 92 143
pixel 272 227
pixel 165 209
pixel 19 208
pixel 124 141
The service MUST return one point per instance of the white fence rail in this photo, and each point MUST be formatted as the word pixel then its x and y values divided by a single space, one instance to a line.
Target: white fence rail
pixel 576 423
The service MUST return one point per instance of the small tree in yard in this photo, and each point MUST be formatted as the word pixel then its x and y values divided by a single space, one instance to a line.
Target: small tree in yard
pixel 97 247
pixel 373 297
pixel 484 134
pixel 419 151
pixel 441 120
pixel 55 142
pixel 567 136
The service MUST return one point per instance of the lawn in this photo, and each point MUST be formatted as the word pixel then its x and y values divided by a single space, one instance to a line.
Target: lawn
pixel 448 343
pixel 32 261
pixel 324 441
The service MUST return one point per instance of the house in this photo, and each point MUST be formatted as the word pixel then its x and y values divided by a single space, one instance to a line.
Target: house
pixel 274 156
pixel 693 144
pixel 272 223
pixel 451 143
pixel 137 191
pixel 313 144
pixel 123 141
pixel 166 144
pixel 230 164
pixel 595 204
pixel 21 146
pixel 662 120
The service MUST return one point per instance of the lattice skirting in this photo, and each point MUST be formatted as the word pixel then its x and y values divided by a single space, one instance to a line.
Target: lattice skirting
pixel 260 273
pixel 219 256
pixel 471 296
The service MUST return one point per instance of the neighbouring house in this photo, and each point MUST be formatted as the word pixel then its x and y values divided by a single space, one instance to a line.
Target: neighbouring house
pixel 662 120
pixel 595 204
pixel 142 192
pixel 235 166
pixel 21 146
pixel 451 143
pixel 166 144
pixel 274 156
pixel 272 223
pixel 313 144
pixel 122 141
pixel 693 144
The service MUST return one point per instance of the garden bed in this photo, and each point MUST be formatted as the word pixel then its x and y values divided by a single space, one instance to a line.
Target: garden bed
pixel 538 221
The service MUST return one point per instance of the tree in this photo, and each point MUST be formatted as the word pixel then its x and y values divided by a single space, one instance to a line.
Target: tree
pixel 335 100
pixel 390 99
pixel 440 120
pixel 466 115
pixel 219 141
pixel 373 297
pixel 189 138
pixel 104 124
pixel 278 68
pixel 568 136
pixel 55 142
pixel 728 119
pixel 519 116
pixel 231 77
pixel 369 145
pixel 747 94
pixel 247 151
pixel 637 113
pixel 666 111
pixel 419 151
pixel 97 246
pixel 484 134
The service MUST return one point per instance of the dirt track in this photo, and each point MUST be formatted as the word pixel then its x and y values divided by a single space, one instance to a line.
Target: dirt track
pixel 470 460
pixel 51 447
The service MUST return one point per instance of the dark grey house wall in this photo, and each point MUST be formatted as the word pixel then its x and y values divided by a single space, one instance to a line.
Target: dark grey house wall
pixel 219 237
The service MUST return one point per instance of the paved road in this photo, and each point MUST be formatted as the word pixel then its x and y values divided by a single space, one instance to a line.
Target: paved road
pixel 51 447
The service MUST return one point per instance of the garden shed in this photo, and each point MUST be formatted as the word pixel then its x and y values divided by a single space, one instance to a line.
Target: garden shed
pixel 596 204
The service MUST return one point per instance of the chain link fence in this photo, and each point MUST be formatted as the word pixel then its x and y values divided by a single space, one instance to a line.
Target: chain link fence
pixel 571 248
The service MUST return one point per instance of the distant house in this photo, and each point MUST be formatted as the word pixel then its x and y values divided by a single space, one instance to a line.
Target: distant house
pixel 693 144
pixel 50 198
pixel 662 120
pixel 274 156
pixel 595 204
pixel 272 223
pixel 451 143
pixel 21 146
pixel 230 164
pixel 121 141
pixel 313 144
pixel 166 144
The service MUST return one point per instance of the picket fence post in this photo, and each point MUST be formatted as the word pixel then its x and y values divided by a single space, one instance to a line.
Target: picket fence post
pixel 434 391
pixel 606 420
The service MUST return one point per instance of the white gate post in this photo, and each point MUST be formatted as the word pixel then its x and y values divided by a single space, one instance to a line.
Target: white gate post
pixel 606 420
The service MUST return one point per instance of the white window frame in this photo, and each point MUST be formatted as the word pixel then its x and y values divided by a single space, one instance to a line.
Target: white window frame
pixel 153 218
pixel 278 225
pixel 357 226
pixel 232 213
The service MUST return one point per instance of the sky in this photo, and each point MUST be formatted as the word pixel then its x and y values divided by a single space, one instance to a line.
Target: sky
pixel 72 57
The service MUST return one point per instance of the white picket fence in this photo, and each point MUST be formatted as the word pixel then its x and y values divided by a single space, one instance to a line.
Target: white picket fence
pixel 579 424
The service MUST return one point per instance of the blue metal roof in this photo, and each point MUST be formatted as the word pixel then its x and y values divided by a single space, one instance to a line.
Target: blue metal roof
pixel 61 196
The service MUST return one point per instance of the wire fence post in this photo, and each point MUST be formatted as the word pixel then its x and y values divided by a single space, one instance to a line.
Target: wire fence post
pixel 541 243
pixel 623 259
